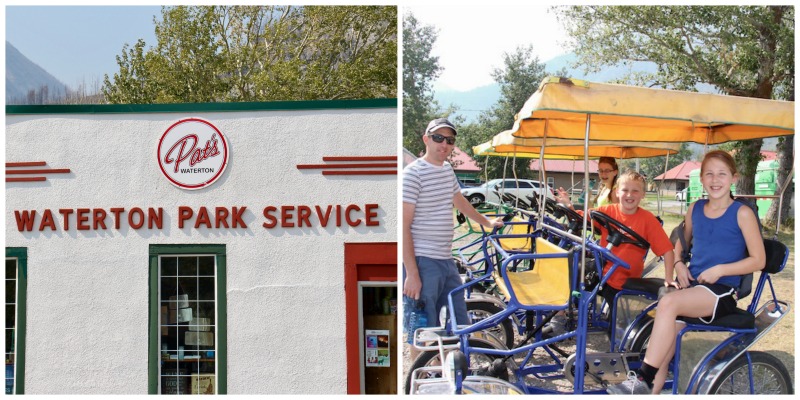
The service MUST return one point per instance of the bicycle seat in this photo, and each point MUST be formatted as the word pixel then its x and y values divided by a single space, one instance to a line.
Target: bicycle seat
pixel 645 285
pixel 739 319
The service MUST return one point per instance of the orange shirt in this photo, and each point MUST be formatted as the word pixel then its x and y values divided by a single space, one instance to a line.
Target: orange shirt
pixel 647 226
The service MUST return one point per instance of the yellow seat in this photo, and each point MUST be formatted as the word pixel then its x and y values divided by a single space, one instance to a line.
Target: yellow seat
pixel 517 244
pixel 547 284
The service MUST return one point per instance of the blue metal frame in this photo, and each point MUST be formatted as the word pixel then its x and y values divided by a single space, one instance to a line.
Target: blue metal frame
pixel 579 292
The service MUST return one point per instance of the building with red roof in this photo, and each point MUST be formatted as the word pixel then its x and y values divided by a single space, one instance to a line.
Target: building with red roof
pixel 677 178
pixel 566 173
pixel 465 167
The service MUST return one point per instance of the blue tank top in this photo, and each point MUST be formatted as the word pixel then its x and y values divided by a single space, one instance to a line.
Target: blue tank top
pixel 716 241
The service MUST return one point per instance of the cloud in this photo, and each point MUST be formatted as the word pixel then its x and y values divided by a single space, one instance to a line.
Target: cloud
pixel 472 39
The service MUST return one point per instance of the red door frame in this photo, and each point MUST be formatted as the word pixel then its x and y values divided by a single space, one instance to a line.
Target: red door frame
pixel 362 262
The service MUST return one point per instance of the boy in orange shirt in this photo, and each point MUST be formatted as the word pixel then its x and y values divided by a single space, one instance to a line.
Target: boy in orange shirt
pixel 630 192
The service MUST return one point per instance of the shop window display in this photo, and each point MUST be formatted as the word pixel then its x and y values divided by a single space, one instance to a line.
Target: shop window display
pixel 11 313
pixel 188 325
pixel 16 287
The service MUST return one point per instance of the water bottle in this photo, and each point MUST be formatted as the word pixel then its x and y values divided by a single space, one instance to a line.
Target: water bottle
pixel 416 317
pixel 415 314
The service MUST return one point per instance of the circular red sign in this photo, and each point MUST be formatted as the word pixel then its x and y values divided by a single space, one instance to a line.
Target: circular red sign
pixel 192 153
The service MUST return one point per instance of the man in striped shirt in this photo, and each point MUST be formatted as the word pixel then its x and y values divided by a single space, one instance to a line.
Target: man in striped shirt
pixel 430 190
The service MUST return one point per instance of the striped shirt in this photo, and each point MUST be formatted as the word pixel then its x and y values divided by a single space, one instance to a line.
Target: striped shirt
pixel 431 190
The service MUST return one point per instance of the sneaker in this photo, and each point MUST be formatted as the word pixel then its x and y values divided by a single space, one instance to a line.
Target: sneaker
pixel 634 385
pixel 557 325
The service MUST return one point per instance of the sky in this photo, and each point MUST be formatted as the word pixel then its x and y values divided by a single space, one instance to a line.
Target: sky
pixel 78 44
pixel 472 39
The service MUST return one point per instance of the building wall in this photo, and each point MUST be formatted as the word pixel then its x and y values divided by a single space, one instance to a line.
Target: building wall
pixel 87 325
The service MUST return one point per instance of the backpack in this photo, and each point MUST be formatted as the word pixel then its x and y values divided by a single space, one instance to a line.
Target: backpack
pixel 746 285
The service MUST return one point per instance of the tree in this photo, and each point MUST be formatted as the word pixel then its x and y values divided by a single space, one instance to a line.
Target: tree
pixel 652 167
pixel 518 80
pixel 420 68
pixel 742 51
pixel 261 53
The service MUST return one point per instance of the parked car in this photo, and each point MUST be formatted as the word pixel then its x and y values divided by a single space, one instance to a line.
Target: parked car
pixel 520 188
pixel 681 195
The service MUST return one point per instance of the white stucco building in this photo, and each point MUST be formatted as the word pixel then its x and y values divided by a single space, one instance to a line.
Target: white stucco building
pixel 225 248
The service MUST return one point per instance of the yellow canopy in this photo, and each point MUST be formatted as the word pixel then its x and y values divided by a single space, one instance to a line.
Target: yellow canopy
pixel 486 149
pixel 555 148
pixel 560 108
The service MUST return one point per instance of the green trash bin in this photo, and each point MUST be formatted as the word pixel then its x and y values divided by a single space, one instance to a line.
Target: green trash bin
pixel 695 189
pixel 766 184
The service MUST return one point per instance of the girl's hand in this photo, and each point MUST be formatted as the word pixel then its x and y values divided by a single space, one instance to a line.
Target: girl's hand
pixel 710 275
pixel 684 276
pixel 562 196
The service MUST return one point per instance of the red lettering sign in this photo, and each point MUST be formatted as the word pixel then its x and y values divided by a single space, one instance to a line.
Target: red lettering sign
pixel 285 216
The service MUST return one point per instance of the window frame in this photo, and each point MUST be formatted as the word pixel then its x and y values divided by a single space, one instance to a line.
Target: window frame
pixel 21 255
pixel 154 352
pixel 510 184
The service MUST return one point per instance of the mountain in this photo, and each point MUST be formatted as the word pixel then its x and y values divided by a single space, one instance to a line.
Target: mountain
pixel 471 103
pixel 23 75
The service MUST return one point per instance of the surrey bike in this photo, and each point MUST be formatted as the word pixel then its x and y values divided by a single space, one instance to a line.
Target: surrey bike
pixel 709 359
pixel 719 366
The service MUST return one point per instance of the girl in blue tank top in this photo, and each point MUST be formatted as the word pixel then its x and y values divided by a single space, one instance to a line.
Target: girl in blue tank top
pixel 726 245
pixel 716 241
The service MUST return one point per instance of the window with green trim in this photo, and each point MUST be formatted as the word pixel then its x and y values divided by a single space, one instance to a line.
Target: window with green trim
pixel 189 320
pixel 16 283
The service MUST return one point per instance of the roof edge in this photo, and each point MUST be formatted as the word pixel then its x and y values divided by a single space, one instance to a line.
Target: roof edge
pixel 200 107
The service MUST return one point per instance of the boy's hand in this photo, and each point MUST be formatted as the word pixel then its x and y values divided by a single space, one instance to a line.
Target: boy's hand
pixel 671 282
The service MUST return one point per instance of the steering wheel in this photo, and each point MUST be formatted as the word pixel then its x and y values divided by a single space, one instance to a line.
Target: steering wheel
pixel 617 232
pixel 550 205
pixel 575 220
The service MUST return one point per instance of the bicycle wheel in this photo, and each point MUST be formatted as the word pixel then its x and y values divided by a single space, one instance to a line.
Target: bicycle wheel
pixel 479 310
pixel 642 339
pixel 770 376
pixel 431 358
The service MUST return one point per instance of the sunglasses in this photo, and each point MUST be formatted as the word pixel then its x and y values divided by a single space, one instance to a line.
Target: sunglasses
pixel 439 138
pixel 605 171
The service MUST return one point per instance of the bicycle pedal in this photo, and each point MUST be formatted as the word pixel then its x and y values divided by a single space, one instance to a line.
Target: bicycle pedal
pixel 498 369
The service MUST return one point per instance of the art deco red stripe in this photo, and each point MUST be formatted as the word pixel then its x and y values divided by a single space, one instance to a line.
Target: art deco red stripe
pixel 354 165
pixel 11 170
pixel 38 171
pixel 359 172
pixel 361 165
pixel 366 158
pixel 26 164
pixel 27 179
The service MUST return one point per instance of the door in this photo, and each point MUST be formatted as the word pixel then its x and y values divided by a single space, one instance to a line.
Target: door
pixel 370 271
